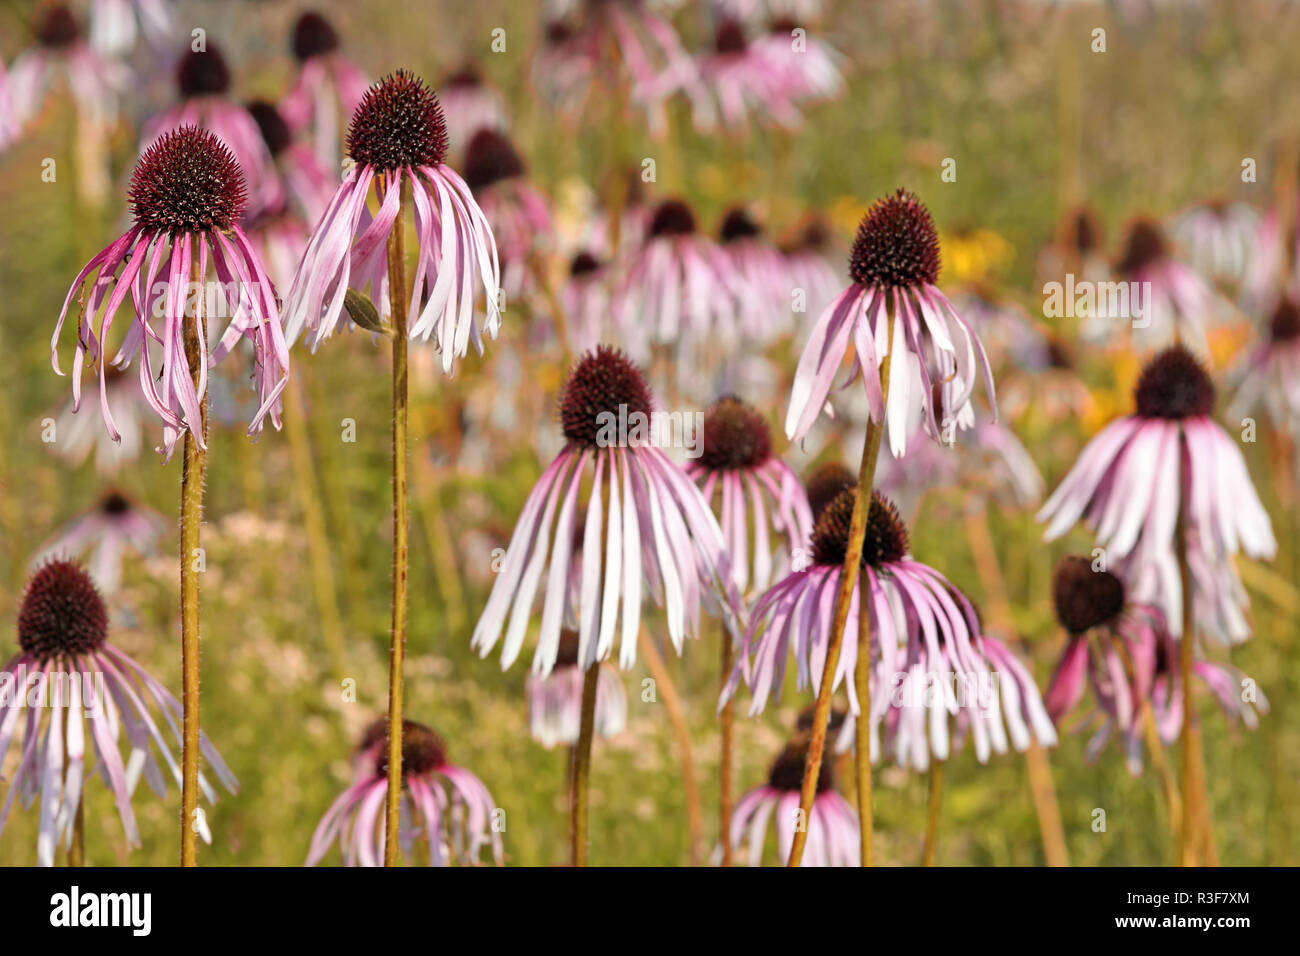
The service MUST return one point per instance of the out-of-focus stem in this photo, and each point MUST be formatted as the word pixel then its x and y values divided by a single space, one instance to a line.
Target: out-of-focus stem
pixel 932 818
pixel 581 778
pixel 725 724
pixel 677 717
pixel 1191 842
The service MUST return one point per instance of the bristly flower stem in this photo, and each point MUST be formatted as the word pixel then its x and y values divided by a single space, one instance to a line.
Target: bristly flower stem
pixel 192 474
pixel 397 645
pixel 862 673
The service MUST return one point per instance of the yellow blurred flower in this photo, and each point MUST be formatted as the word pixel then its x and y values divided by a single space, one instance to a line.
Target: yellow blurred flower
pixel 975 256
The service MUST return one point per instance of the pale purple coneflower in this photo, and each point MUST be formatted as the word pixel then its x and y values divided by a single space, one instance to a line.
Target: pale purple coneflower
pixel 1238 696
pixel 555 701
pixel 808 269
pixel 655 531
pixel 280 232
pixel 677 288
pixel 809 67
pixel 833 837
pixel 912 605
pixel 62 53
pixel 79 435
pixel 10 126
pixel 397 140
pixel 768 311
pixel 585 298
pixel 736 461
pixel 516 211
pixel 106 532
pixel 1176 302
pixel 1078 248
pixel 1010 336
pixel 327 90
pixel 64 651
pixel 1269 270
pixel 203 84
pixel 1269 374
pixel 115 25
pixel 447 814
pixel 469 104
pixel 893 264
pixel 1218 238
pixel 742 83
pixel 1133 479
pixel 187 194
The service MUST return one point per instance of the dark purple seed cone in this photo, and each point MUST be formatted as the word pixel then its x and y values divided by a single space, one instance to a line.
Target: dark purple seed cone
pixel 491 158
pixel 1084 233
pixel 1284 323
pixel 398 125
pixel 275 131
pixel 788 769
pixel 583 264
pixel 824 485
pixel 467 76
pixel 114 503
pixel 804 722
pixel 672 217
pixel 62 614
pixel 1143 245
pixel 312 36
pixel 896 245
pixel 738 224
pixel 1174 385
pixel 203 73
pixel 187 181
pixel 729 37
pixel 735 436
pixel 601 382
pixel 55 27
pixel 1085 598
pixel 884 539
pixel 422 750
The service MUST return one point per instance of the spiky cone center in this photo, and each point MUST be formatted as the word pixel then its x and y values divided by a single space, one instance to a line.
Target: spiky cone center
pixel 896 245
pixel 203 73
pixel 1144 245
pixel 1174 385
pixel 1085 598
pixel 787 770
pixel 62 614
pixel 736 225
pixel 604 382
pixel 423 750
pixel 114 503
pixel 736 437
pixel 583 264
pixel 187 181
pixel 1284 323
pixel 825 484
pixel 313 35
pixel 672 217
pixel 729 37
pixel 275 131
pixel 884 540
pixel 55 27
pixel 491 158
pixel 398 125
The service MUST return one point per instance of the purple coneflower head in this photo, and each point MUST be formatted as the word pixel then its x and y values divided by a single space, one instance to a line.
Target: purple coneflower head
pixel 446 812
pixel 397 141
pixel 654 531
pixel 741 80
pixel 762 268
pixel 824 484
pixel 912 607
pixel 326 91
pixel 1269 375
pixel 469 105
pixel 894 264
pixel 79 435
pixel 187 194
pixel 519 215
pixel 1176 301
pixel 736 461
pixel 586 300
pixel 106 532
pixel 60 51
pixel 64 656
pixel 555 701
pixel 833 836
pixel 1219 238
pixel 1132 479
pixel 115 25
pixel 1237 695
pixel 809 68
pixel 678 288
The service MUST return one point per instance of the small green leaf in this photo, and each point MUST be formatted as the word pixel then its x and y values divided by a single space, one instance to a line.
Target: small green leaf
pixel 363 312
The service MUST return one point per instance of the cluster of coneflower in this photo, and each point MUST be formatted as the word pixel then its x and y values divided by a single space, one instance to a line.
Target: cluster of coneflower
pixel 406 248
